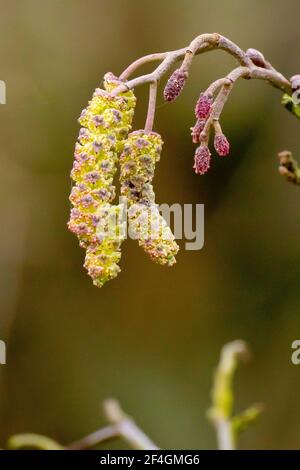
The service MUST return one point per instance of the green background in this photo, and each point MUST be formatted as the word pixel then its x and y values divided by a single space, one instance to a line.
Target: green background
pixel 152 337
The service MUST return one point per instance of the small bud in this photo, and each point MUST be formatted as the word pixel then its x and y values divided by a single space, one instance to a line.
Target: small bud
pixel 202 159
pixel 256 57
pixel 289 167
pixel 175 85
pixel 295 82
pixel 197 129
pixel 222 146
pixel 203 106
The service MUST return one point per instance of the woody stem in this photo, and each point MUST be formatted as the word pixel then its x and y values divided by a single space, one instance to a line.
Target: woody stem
pixel 151 107
pixel 202 43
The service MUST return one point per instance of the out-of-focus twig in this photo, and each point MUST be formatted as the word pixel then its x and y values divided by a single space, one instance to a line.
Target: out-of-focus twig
pixel 120 425
pixel 32 441
pixel 95 438
pixel 127 428
pixel 227 426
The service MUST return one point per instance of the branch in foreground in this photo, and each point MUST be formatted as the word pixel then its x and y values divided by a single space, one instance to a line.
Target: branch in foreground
pixel 121 426
pixel 32 441
pixel 127 428
pixel 227 426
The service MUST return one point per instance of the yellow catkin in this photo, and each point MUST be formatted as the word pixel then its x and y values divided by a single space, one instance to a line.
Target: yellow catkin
pixel 105 125
pixel 141 153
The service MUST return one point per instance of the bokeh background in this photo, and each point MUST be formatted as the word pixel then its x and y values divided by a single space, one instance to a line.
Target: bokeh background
pixel 152 337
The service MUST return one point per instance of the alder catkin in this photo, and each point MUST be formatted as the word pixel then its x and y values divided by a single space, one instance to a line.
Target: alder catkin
pixel 175 85
pixel 105 125
pixel 141 153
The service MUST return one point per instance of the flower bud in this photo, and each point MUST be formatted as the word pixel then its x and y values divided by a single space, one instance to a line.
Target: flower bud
pixel 203 106
pixel 222 145
pixel 202 159
pixel 175 85
pixel 295 82
pixel 256 57
pixel 289 167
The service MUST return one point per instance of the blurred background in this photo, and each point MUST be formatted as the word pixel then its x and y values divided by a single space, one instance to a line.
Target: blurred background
pixel 152 337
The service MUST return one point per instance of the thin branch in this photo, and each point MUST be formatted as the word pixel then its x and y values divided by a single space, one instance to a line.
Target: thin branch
pixel 95 438
pixel 225 436
pixel 121 426
pixel 222 392
pixel 228 426
pixel 226 85
pixel 200 44
pixel 151 107
pixel 32 441
pixel 142 61
pixel 127 428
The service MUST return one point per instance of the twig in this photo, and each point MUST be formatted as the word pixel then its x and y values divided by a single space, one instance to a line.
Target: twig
pixel 226 85
pixel 121 425
pixel 141 61
pixel 127 428
pixel 95 438
pixel 228 426
pixel 32 441
pixel 200 44
pixel 151 107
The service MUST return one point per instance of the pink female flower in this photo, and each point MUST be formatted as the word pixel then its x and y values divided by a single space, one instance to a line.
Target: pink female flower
pixel 202 159
pixel 203 106
pixel 175 85
pixel 222 145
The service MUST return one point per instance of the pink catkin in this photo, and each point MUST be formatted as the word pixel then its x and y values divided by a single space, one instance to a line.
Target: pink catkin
pixel 203 106
pixel 175 85
pixel 222 146
pixel 202 160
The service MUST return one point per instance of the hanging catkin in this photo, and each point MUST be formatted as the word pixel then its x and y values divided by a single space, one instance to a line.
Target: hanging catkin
pixel 141 153
pixel 105 125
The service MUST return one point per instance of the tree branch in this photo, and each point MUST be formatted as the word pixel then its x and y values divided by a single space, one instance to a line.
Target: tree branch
pixel 127 428
pixel 200 44
pixel 227 426
pixel 121 426
pixel 151 107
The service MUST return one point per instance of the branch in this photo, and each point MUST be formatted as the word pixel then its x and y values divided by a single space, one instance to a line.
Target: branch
pixel 202 43
pixel 95 438
pixel 127 428
pixel 226 85
pixel 32 441
pixel 228 427
pixel 121 426
pixel 151 107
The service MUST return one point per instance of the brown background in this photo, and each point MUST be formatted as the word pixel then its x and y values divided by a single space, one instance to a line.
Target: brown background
pixel 152 337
